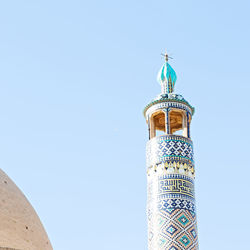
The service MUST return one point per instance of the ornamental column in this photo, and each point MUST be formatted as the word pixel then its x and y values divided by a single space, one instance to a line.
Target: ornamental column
pixel 170 169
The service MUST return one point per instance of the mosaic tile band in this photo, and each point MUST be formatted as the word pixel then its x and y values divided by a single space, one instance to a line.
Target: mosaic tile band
pixel 168 100
pixel 174 167
pixel 167 148
pixel 165 105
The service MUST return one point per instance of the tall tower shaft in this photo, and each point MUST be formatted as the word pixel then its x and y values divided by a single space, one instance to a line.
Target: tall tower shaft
pixel 170 169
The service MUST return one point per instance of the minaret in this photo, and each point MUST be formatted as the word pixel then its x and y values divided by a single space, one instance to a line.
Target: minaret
pixel 170 169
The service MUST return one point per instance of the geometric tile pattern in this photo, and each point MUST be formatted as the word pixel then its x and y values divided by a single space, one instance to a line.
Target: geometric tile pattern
pixel 183 220
pixel 169 148
pixel 169 205
pixel 179 231
pixel 171 212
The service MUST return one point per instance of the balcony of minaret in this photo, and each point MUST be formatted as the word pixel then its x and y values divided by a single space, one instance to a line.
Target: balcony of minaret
pixel 169 145
pixel 169 122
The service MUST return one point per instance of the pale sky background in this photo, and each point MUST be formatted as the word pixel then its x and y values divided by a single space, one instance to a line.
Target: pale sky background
pixel 75 77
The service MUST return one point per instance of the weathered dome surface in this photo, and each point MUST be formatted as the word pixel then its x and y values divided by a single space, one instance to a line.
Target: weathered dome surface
pixel 20 226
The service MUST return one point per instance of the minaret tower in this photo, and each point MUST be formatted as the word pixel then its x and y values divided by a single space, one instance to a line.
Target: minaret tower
pixel 170 169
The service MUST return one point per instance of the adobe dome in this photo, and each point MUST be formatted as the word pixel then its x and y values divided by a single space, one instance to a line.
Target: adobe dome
pixel 20 226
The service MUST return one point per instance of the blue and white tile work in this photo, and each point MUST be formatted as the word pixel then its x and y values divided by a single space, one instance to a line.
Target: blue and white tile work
pixel 171 209
pixel 169 148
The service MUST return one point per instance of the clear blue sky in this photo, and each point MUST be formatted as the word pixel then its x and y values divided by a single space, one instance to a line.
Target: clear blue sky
pixel 75 77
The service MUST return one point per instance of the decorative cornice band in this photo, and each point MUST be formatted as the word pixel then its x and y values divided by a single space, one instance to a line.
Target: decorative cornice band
pixel 169 102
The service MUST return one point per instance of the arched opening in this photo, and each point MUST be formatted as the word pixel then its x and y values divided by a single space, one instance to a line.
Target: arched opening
pixel 178 123
pixel 157 124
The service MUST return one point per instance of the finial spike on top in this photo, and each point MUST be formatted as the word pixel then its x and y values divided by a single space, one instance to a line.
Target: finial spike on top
pixel 166 56
pixel 167 76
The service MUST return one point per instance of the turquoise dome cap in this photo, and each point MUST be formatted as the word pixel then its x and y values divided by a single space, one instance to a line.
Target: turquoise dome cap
pixel 167 78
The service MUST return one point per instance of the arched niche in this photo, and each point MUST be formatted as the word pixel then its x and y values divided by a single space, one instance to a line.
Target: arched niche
pixel 157 124
pixel 178 123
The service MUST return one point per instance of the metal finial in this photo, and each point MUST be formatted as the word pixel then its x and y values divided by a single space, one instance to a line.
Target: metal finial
pixel 166 56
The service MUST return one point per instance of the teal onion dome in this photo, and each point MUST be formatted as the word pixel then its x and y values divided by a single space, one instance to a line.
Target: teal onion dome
pixel 167 78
